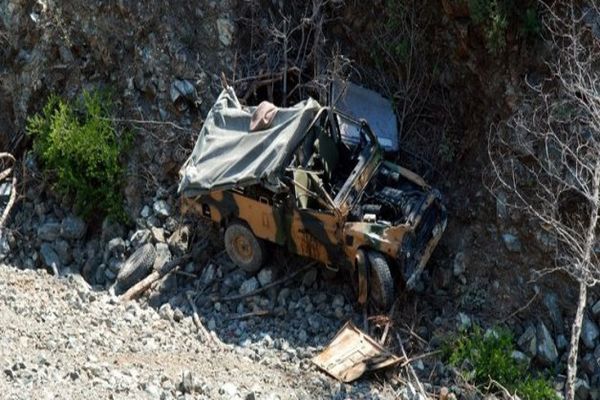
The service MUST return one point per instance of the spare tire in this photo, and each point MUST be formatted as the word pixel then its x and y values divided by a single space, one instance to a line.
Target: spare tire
pixel 136 268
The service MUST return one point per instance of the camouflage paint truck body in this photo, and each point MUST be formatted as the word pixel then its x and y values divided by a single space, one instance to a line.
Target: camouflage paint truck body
pixel 336 202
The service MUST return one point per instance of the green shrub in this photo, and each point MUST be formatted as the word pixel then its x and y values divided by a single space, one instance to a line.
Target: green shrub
pixel 492 15
pixel 81 151
pixel 531 24
pixel 485 357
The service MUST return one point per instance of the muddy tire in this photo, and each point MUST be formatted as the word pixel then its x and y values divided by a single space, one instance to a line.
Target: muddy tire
pixel 136 268
pixel 245 250
pixel 381 283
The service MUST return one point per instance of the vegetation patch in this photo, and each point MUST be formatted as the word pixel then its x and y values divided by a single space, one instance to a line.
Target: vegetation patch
pixel 80 151
pixel 486 360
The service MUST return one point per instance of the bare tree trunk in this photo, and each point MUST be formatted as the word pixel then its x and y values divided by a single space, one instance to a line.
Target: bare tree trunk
pixel 575 334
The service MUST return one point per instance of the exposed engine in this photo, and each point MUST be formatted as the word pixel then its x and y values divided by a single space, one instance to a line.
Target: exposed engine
pixel 389 198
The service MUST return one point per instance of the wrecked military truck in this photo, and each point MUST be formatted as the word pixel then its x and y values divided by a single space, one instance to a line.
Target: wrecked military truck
pixel 284 176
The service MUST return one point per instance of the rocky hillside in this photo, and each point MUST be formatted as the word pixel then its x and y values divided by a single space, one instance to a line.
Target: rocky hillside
pixel 452 68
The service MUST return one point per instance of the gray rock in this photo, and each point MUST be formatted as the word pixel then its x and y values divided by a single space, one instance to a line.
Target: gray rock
pixel 163 255
pixel 512 242
pixel 49 232
pixel 228 389
pixel 4 246
pixel 463 321
pixel 73 227
pixel 596 310
pixel 589 364
pixel 140 238
pixel 115 265
pixel 183 93
pixel 225 29
pixel 520 357
pixel 158 234
pixel 501 209
pixel 309 277
pixel 582 389
pixel 589 333
pixel 458 267
pixel 209 274
pixel 527 342
pixel 591 17
pixel 283 296
pixel 99 275
pixel 338 301
pixel 5 190
pixel 145 213
pixel 63 250
pixel 187 382
pixel 161 208
pixel 265 276
pixel 115 247
pixel 111 229
pixel 166 312
pixel 551 303
pixel 179 240
pixel 249 286
pixel 50 258
pixel 109 275
pixel 65 55
pixel 561 342
pixel 547 354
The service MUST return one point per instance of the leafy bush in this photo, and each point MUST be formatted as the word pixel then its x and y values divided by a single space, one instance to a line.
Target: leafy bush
pixel 493 16
pixel 531 24
pixel 80 150
pixel 484 357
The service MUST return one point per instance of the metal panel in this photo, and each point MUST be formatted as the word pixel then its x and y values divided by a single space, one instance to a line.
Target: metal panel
pixel 352 353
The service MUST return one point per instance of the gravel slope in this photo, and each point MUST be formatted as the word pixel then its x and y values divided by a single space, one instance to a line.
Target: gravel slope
pixel 61 339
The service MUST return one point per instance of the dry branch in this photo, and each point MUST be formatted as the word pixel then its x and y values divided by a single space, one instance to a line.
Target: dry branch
pixel 266 287
pixel 13 193
pixel 546 159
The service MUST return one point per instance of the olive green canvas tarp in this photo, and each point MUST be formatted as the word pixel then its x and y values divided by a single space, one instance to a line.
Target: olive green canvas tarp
pixel 227 154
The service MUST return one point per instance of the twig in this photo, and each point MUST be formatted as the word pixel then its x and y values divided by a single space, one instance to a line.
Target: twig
pixel 419 357
pixel 184 273
pixel 203 332
pixel 270 285
pixel 520 309
pixel 13 192
pixel 147 122
pixel 411 370
pixel 259 313
pixel 389 321
pixel 414 334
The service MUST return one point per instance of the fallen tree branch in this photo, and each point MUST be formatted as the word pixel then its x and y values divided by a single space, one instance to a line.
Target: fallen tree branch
pixel 259 313
pixel 143 285
pixel 417 381
pixel 520 309
pixel 203 332
pixel 270 285
pixel 147 122
pixel 13 193
pixel 419 357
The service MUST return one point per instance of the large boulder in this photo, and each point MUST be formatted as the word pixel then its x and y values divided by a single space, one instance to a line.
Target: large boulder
pixel 72 227
pixel 547 354
pixel 589 333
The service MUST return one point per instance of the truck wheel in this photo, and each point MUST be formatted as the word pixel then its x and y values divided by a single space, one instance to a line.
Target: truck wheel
pixel 381 283
pixel 245 249
pixel 137 266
